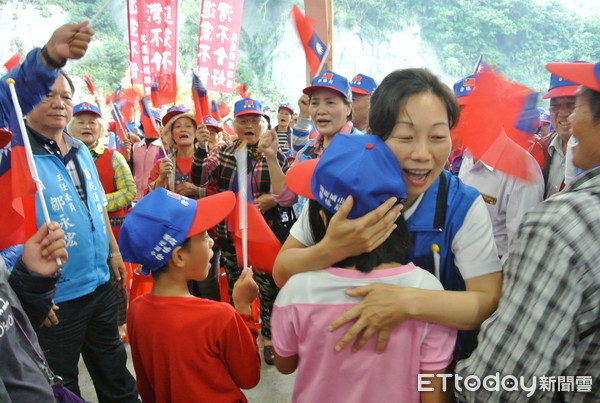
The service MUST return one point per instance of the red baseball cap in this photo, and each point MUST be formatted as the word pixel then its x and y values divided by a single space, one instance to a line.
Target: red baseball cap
pixel 582 73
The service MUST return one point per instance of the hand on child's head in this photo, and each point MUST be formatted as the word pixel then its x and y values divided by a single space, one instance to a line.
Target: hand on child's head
pixel 245 289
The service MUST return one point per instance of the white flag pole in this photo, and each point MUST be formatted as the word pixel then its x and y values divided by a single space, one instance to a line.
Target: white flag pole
pixel 241 157
pixel 323 61
pixel 30 161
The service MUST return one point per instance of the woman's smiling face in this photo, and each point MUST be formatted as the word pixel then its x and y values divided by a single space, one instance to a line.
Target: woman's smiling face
pixel 421 141
pixel 183 132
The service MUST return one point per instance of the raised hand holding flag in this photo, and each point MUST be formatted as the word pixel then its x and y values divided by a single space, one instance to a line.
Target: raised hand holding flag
pixel 20 140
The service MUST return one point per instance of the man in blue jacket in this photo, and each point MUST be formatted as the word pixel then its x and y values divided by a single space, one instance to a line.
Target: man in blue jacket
pixel 85 295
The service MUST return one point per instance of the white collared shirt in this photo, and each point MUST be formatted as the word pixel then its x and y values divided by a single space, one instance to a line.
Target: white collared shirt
pixel 556 172
pixel 506 198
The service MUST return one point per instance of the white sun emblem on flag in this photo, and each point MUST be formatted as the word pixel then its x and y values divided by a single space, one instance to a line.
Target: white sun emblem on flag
pixel 319 48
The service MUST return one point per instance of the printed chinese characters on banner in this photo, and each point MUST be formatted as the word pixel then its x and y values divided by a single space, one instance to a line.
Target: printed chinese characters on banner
pixel 218 42
pixel 153 45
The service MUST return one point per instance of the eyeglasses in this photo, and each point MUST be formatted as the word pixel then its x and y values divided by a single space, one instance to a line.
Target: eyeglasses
pixel 245 121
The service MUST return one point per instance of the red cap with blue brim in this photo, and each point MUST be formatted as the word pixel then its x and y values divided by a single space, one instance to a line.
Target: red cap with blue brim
pixel 579 73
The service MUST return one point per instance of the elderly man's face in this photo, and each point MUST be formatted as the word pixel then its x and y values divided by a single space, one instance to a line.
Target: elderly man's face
pixel 560 109
pixel 55 111
pixel 249 127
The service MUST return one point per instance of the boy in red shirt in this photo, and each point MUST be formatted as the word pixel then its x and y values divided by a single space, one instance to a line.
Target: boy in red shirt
pixel 186 348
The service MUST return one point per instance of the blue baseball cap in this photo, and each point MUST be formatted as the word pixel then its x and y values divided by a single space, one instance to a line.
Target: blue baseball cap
pixel 246 106
pixel 361 166
pixel 363 84
pixel 544 116
pixel 172 111
pixel 162 220
pixel 210 121
pixel 580 73
pixel 560 86
pixel 330 80
pixel 464 87
pixel 86 107
pixel 288 106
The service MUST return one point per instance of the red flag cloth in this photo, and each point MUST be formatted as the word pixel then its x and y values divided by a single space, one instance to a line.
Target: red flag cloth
pixel 89 84
pixel 314 48
pixel 153 45
pixel 263 245
pixel 242 89
pixel 487 125
pixel 218 43
pixel 17 198
pixel 223 109
pixel 214 111
pixel 120 126
pixel 150 128
pixel 200 97
pixel 13 62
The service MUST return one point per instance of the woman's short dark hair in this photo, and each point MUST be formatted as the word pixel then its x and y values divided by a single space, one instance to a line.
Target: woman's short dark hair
pixel 393 249
pixel 593 98
pixel 394 91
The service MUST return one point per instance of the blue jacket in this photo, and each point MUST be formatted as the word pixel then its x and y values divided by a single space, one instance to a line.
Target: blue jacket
pixel 437 219
pixel 84 225
pixel 33 81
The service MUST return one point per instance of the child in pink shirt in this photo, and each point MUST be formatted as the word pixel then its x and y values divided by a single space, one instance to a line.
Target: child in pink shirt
pixel 366 169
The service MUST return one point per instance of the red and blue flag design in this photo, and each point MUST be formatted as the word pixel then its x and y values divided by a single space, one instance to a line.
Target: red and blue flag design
pixel 314 48
pixel 200 97
pixel 17 198
pixel 150 128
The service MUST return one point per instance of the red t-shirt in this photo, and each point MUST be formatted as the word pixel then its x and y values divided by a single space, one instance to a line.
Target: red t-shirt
pixel 183 170
pixel 191 350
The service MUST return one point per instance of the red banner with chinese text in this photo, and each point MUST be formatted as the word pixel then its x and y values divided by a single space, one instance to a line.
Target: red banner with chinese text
pixel 153 46
pixel 218 43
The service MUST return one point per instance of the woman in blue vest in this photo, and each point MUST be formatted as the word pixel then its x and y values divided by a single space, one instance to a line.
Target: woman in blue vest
pixel 413 111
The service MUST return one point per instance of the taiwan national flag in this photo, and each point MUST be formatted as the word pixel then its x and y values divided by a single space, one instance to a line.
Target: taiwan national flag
pixel 314 48
pixel 17 198
pixel 120 127
pixel 150 128
pixel 200 98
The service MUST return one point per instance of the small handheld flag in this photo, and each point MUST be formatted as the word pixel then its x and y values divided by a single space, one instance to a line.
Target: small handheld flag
pixel 314 48
pixel 200 97
pixel 29 154
pixel 90 86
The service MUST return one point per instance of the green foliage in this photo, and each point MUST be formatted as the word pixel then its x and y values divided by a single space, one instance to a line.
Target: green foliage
pixel 517 36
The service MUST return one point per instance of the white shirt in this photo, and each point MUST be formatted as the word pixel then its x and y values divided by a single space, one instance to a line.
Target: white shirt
pixel 556 173
pixel 473 246
pixel 507 198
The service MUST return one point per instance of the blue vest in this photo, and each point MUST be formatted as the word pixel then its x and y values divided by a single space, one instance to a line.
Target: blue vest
pixel 436 220
pixel 84 225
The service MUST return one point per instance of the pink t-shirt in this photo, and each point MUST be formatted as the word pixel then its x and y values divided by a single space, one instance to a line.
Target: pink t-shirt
pixel 310 301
